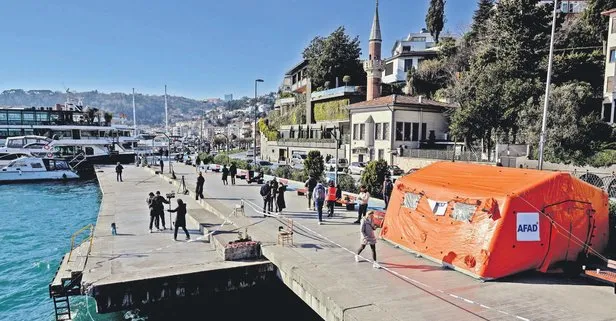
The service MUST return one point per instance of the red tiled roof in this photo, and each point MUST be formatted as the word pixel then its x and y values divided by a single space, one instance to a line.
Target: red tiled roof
pixel 400 100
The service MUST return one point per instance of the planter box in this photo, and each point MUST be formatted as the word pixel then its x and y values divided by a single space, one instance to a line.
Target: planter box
pixel 240 251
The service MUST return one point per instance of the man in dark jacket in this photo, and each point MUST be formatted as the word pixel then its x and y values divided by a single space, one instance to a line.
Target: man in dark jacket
pixel 180 219
pixel 274 194
pixel 233 172
pixel 119 169
pixel 265 193
pixel 153 214
pixel 388 187
pixel 160 208
pixel 311 183
pixel 162 166
pixel 199 191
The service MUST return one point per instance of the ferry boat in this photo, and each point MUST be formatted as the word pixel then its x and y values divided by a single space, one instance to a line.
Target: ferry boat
pixel 69 129
pixel 36 169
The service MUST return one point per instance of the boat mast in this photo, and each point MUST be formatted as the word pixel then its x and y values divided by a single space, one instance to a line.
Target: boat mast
pixel 166 113
pixel 134 116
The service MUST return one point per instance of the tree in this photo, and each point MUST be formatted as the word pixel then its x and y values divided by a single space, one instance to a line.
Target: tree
pixel 333 56
pixel 596 23
pixel 480 19
pixel 573 133
pixel 346 79
pixel 435 19
pixel 374 176
pixel 314 165
pixel 347 183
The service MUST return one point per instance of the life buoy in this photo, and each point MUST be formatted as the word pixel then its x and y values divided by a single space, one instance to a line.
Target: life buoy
pixel 46 147
pixel 50 155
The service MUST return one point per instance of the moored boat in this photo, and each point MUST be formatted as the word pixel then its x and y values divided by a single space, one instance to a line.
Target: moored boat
pixel 36 169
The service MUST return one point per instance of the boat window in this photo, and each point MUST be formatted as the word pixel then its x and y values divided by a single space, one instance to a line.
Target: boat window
pixel 411 200
pixel 36 165
pixel 61 165
pixel 89 151
pixel 463 212
pixel 14 117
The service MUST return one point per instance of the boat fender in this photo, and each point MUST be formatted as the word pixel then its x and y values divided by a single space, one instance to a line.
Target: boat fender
pixel 50 155
pixel 63 176
pixel 46 147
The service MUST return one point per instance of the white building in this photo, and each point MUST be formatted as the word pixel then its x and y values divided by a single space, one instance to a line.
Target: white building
pixel 382 126
pixel 609 92
pixel 568 6
pixel 409 53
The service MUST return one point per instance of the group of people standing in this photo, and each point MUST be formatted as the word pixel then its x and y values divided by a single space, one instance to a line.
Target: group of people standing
pixel 157 213
pixel 226 172
pixel 273 196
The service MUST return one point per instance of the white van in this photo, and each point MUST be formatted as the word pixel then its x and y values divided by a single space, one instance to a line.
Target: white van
pixel 250 153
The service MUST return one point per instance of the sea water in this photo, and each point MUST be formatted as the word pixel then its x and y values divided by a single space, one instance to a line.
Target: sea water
pixel 36 224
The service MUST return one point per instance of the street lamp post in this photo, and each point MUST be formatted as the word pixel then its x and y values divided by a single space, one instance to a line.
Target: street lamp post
pixel 254 153
pixel 546 102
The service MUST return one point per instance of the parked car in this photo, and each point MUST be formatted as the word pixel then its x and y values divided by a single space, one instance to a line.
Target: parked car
pixel 298 159
pixel 277 166
pixel 264 163
pixel 356 168
pixel 394 170
pixel 342 164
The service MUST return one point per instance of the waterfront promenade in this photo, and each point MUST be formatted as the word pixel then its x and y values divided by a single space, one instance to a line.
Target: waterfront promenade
pixel 321 270
pixel 136 266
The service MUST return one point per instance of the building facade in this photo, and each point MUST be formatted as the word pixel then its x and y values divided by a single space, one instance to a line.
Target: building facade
pixel 608 107
pixel 409 53
pixel 384 127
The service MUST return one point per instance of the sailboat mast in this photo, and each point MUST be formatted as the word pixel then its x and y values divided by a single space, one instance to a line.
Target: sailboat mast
pixel 166 113
pixel 134 115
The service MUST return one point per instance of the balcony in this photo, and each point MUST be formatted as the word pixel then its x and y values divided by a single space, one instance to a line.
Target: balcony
pixel 299 86
pixel 307 143
pixel 334 92
pixel 284 101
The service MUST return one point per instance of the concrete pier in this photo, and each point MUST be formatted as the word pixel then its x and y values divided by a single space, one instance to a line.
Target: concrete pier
pixel 321 270
pixel 136 267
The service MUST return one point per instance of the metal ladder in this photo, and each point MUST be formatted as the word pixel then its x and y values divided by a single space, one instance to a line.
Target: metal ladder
pixel 62 307
pixel 78 159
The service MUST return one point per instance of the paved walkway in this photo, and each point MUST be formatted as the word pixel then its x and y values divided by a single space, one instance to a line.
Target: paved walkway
pixel 407 288
pixel 135 254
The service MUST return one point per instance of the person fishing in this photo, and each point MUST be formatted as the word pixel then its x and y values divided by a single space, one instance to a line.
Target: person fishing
pixel 225 173
pixel 199 189
pixel 180 219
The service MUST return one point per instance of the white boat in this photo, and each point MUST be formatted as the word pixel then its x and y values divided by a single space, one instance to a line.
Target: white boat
pixel 36 169
pixel 6 158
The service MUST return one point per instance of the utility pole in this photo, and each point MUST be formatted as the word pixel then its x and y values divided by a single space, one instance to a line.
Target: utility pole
pixel 548 81
pixel 254 153
pixel 166 113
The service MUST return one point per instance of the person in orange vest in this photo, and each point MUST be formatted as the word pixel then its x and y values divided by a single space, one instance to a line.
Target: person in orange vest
pixel 331 198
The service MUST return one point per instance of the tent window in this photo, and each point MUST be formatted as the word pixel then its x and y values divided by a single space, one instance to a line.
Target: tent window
pixel 463 212
pixel 411 200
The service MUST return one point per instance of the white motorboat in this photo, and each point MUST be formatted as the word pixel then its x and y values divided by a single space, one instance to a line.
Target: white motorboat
pixel 36 169
pixel 7 157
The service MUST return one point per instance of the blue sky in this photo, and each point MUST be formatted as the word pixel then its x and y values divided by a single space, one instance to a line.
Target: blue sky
pixel 199 48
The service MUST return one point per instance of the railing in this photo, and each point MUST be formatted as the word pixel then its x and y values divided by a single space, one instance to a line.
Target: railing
pixel 333 92
pixel 77 160
pixel 604 181
pixel 443 154
pixel 284 101
pixel 90 238
pixel 307 142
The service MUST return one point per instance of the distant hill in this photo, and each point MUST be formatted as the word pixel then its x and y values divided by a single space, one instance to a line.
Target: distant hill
pixel 150 109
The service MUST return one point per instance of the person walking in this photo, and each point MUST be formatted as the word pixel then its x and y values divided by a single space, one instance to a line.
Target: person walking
pixel 319 199
pixel 119 168
pixel 388 187
pixel 310 184
pixel 280 198
pixel 274 185
pixel 180 219
pixel 225 173
pixel 233 173
pixel 265 192
pixel 162 165
pixel 367 237
pixel 362 199
pixel 199 190
pixel 331 198
pixel 153 214
pixel 159 200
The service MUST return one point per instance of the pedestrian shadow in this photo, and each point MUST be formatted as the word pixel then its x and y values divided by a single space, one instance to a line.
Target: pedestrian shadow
pixel 310 246
pixel 124 234
pixel 422 267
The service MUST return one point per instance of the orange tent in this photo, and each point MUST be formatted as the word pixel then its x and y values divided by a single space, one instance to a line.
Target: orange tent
pixel 490 222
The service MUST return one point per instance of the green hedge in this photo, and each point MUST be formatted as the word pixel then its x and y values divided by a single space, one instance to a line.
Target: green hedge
pixel 331 110
pixel 269 132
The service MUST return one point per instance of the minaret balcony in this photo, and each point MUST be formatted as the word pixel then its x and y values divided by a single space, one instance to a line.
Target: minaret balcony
pixel 373 65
